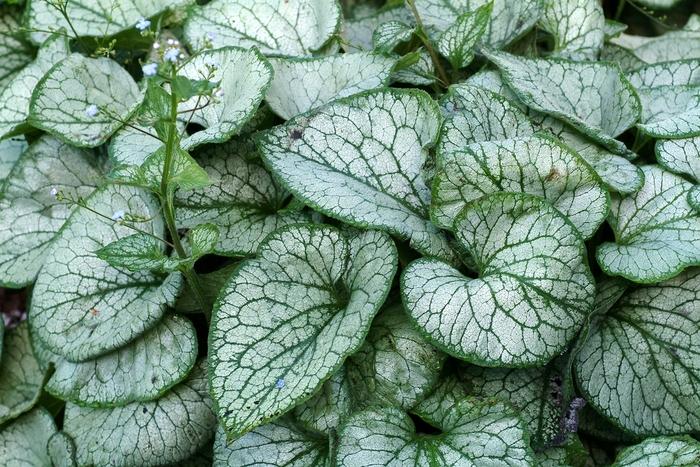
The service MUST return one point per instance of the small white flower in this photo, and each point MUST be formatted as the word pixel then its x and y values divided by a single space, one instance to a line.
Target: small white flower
pixel 182 56
pixel 173 42
pixel 149 69
pixel 53 192
pixel 118 215
pixel 219 93
pixel 143 24
pixel 91 110
pixel 172 54
pixel 279 384
pixel 156 45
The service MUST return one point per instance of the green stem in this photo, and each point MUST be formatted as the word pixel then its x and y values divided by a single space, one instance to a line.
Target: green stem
pixel 620 8
pixel 420 32
pixel 167 201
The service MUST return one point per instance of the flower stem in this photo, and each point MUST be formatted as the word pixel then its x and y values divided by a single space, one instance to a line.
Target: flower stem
pixel 167 201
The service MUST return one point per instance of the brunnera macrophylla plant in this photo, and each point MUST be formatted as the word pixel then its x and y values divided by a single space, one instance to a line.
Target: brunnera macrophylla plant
pixel 360 233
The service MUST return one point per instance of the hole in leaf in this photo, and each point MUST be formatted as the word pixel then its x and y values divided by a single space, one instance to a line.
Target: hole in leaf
pixel 423 427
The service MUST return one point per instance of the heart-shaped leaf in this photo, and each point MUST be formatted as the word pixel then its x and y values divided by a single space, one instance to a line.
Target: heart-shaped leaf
pixel 82 307
pixel 474 432
pixel 293 28
pixel 21 379
pixel 173 427
pixel 31 212
pixel 16 96
pixel 143 370
pixel 365 155
pixel 662 451
pixel 243 77
pixel 243 199
pixel 533 291
pixel 538 165
pixel 594 98
pixel 287 319
pixel 304 84
pixel 656 230
pixel 639 366
pixel 282 443
pixel 84 100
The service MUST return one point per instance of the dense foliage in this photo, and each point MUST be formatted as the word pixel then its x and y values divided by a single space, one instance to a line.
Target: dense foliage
pixel 368 233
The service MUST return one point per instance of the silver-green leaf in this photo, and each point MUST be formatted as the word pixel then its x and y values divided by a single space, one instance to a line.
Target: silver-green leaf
pixel 662 451
pixel 656 230
pixel 361 160
pixel 292 28
pixel 31 212
pixel 533 292
pixel 305 84
pixel 173 427
pixel 82 307
pixel 287 319
pixel 538 165
pixel 23 442
pixel 639 366
pixel 594 98
pixel 474 432
pixel 84 100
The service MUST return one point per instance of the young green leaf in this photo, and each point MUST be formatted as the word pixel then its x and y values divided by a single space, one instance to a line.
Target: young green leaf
pixel 277 27
pixel 533 292
pixel 509 20
pixel 84 100
pixel 141 371
pixel 243 77
pixel 395 366
pixel 577 27
pixel 21 379
pixel 287 319
pixel 301 85
pixel 474 432
pixel 458 42
pixel 594 98
pixel 670 111
pixel 16 96
pixel 137 252
pixel 185 172
pixel 82 307
pixel 537 165
pixel 474 115
pixel 656 230
pixel 366 154
pixel 23 441
pixel 663 451
pixel 89 18
pixel 421 72
pixel 387 36
pixel 242 200
pixel 173 427
pixel 282 443
pixel 31 210
pixel 639 367
pixel 202 240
